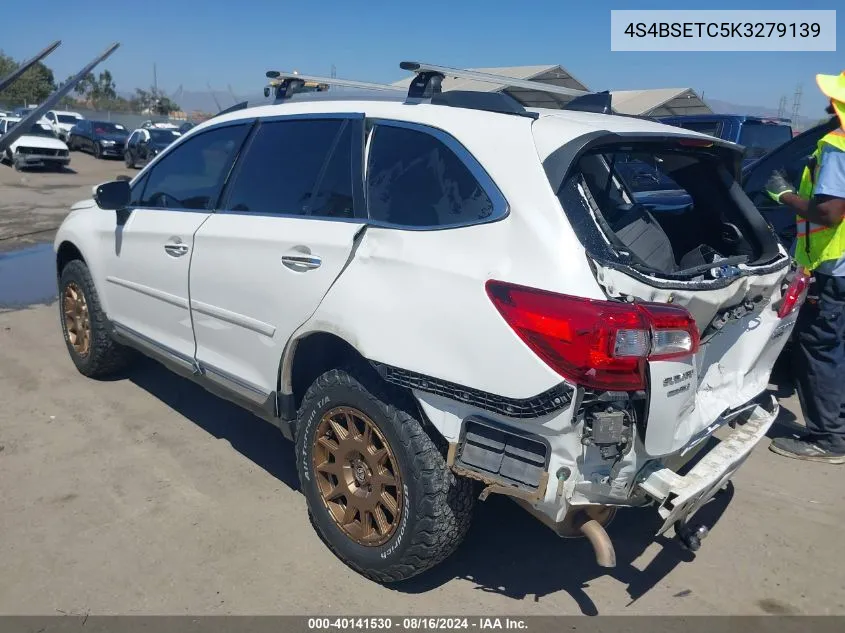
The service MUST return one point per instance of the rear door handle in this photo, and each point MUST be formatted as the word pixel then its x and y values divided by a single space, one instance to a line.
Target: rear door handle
pixel 176 249
pixel 302 262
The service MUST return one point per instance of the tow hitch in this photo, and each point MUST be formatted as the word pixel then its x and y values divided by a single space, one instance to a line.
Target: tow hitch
pixel 690 538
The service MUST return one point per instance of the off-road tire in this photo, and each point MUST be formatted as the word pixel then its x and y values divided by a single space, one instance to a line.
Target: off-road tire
pixel 437 505
pixel 105 356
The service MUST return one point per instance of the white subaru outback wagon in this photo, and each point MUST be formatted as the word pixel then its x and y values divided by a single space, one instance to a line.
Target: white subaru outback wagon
pixel 448 295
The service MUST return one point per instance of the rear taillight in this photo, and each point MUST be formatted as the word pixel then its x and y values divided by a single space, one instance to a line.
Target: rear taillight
pixel 794 295
pixel 598 344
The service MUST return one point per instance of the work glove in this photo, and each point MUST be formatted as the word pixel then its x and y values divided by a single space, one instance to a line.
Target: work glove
pixel 777 185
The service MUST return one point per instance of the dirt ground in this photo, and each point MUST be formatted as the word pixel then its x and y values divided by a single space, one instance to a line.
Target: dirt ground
pixel 33 203
pixel 144 494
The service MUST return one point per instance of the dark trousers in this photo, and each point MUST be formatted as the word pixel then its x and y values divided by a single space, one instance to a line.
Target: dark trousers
pixel 820 362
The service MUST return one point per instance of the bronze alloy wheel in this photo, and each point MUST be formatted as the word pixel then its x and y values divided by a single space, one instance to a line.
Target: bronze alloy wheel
pixel 357 476
pixel 77 320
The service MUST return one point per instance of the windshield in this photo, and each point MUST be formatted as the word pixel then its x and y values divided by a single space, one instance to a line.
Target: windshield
pixel 39 129
pixel 68 118
pixel 106 127
pixel 760 138
pixel 162 136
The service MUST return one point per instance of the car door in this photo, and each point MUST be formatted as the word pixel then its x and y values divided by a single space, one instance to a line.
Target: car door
pixel 791 157
pixel 286 229
pixel 150 254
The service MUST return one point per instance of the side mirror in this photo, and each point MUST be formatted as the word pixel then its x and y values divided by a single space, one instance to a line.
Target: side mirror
pixel 112 195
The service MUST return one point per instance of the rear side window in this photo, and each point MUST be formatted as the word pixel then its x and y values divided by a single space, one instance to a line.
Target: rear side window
pixel 296 167
pixel 191 176
pixel 414 179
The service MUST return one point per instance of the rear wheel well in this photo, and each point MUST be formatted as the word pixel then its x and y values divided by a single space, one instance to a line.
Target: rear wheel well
pixel 67 253
pixel 321 352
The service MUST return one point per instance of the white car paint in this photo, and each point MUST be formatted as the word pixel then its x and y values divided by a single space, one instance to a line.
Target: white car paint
pixel 34 141
pixel 61 128
pixel 416 299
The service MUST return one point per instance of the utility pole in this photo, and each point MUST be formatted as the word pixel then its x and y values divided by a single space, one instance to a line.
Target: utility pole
pixel 782 107
pixel 155 80
pixel 334 71
pixel 796 105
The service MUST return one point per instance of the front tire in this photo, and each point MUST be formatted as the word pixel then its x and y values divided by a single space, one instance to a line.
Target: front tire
pixel 129 160
pixel 379 492
pixel 85 326
pixel 98 152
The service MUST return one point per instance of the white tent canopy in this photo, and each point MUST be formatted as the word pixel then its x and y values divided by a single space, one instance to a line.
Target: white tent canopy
pixel 659 102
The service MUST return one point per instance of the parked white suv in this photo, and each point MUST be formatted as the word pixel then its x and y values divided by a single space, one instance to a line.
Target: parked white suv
pixel 62 122
pixel 443 297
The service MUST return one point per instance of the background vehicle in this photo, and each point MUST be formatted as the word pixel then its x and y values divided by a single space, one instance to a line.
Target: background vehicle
pixel 38 147
pixel 186 126
pixel 101 138
pixel 757 135
pixel 62 122
pixel 23 111
pixel 660 194
pixel 790 157
pixel 161 125
pixel 144 144
pixel 559 343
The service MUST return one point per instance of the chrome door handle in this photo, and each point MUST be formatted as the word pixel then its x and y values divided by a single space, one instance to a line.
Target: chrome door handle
pixel 176 249
pixel 300 262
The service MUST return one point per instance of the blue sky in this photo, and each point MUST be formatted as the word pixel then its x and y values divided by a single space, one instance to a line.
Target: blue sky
pixel 233 42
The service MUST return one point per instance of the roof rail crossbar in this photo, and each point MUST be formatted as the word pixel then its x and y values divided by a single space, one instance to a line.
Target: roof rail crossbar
pixel 284 85
pixel 430 71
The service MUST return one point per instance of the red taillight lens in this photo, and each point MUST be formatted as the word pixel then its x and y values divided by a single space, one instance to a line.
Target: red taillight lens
pixel 795 293
pixel 598 344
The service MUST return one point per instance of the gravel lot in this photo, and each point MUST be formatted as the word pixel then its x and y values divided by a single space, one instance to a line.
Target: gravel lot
pixel 144 494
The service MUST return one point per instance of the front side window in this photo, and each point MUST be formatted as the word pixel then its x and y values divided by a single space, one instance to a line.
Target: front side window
pixel 296 167
pixel 192 174
pixel 414 179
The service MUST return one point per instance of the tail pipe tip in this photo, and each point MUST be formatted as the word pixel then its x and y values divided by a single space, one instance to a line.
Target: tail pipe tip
pixel 600 540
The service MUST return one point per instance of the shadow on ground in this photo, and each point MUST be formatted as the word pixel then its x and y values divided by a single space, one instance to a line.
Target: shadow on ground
pixel 255 439
pixel 507 552
pixel 510 553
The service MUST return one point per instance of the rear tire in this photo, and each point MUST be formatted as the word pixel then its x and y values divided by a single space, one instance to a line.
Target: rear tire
pixel 428 508
pixel 85 326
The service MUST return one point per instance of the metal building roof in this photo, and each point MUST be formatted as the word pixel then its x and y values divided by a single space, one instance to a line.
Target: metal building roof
pixel 553 74
pixel 659 102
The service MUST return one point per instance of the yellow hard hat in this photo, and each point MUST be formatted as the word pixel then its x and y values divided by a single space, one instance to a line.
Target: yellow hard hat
pixel 832 86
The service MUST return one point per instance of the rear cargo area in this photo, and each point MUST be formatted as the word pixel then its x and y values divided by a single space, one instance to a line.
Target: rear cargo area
pixel 669 208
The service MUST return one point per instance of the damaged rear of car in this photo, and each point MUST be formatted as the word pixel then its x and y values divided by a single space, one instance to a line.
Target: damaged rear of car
pixel 700 302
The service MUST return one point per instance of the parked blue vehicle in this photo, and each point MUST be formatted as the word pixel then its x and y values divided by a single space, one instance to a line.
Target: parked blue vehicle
pixel 759 135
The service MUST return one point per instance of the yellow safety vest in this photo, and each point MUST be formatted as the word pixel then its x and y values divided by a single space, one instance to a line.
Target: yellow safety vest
pixel 817 243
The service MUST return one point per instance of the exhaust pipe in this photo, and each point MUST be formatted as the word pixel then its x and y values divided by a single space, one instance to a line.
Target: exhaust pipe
pixel 599 539
pixel 584 521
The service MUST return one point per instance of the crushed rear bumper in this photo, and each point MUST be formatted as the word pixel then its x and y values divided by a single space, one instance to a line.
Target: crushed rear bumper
pixel 679 497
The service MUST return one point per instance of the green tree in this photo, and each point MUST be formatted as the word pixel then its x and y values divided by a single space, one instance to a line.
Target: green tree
pixel 99 90
pixel 153 101
pixel 35 85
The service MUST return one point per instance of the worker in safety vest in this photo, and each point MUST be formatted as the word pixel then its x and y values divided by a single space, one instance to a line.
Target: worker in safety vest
pixel 819 365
